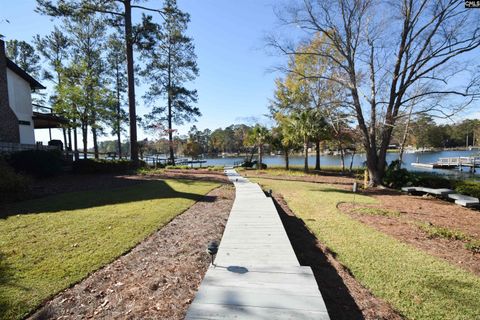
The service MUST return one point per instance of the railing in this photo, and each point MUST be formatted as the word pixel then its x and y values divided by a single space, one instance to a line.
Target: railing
pixel 11 147
pixel 459 161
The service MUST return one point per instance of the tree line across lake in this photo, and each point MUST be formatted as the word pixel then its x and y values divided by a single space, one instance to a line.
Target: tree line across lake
pixel 244 140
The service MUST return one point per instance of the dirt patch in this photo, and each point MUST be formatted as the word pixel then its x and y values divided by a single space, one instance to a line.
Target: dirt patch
pixel 344 296
pixel 409 212
pixel 158 279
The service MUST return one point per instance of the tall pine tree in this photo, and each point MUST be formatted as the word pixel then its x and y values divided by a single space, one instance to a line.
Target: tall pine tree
pixel 171 65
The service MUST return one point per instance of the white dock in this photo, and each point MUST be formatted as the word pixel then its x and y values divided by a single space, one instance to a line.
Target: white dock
pixel 451 163
pixel 256 273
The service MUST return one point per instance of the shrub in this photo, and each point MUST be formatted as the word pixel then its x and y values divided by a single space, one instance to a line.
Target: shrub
pixel 215 168
pixel 376 212
pixel 248 164
pixel 473 245
pixel 434 181
pixel 262 166
pixel 149 171
pixel 468 188
pixel 85 166
pixel 12 184
pixel 179 167
pixel 251 164
pixel 442 232
pixel 395 177
pixel 37 163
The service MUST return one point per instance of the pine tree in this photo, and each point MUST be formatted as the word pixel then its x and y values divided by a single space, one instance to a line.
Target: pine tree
pixel 116 60
pixel 171 64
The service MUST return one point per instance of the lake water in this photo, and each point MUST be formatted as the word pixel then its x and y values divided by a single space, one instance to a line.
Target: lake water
pixel 359 159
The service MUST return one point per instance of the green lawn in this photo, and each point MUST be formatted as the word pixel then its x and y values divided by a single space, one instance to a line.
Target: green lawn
pixel 416 284
pixel 48 244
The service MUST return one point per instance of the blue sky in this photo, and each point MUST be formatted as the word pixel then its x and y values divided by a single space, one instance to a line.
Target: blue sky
pixel 234 83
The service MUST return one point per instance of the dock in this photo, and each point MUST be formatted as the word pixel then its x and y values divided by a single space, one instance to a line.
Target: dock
pixel 452 163
pixel 156 159
pixel 256 273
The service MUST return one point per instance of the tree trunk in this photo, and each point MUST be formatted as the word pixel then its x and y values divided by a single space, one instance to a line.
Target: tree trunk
pixel 131 82
pixel 170 132
pixel 287 160
pixel 342 158
pixel 251 155
pixel 260 156
pixel 374 171
pixel 404 139
pixel 95 141
pixel 84 140
pixel 169 116
pixel 75 142
pixel 119 118
pixel 351 161
pixel 69 132
pixel 65 139
pixel 317 155
pixel 119 145
pixel 305 151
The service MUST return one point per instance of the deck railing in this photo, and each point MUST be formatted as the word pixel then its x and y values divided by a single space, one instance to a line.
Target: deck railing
pixel 458 161
pixel 10 147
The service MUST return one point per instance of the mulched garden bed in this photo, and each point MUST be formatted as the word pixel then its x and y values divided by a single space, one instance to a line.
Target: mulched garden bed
pixel 158 279
pixel 405 215
pixel 412 212
pixel 344 296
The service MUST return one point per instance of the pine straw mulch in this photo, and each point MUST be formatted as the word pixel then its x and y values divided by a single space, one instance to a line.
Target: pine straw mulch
pixel 158 278
pixel 405 214
pixel 412 212
pixel 344 296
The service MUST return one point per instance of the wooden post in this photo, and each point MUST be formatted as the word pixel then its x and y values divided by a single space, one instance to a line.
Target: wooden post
pixel 365 179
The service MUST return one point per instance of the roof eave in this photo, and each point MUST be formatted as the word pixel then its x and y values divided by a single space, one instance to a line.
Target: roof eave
pixel 34 84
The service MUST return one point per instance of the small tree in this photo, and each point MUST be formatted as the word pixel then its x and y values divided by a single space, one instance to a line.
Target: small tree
pixel 304 125
pixel 259 136
pixel 284 136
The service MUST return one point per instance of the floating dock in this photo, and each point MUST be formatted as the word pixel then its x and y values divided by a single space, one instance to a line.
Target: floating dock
pixel 451 163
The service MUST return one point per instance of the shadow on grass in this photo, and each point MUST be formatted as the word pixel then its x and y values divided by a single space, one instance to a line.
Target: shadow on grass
pixel 298 179
pixel 147 190
pixel 6 280
pixel 331 190
pixel 340 304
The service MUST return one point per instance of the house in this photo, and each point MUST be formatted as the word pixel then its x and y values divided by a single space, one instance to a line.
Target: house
pixel 16 110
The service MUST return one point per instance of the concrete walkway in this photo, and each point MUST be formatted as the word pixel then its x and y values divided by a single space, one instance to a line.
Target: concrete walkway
pixel 257 275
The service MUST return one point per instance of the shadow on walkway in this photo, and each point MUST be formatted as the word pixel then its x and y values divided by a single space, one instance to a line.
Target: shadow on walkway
pixel 340 304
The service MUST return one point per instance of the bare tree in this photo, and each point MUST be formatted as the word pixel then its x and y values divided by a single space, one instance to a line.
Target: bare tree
pixel 390 54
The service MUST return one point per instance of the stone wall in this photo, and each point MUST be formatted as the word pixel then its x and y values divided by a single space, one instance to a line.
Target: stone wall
pixel 9 127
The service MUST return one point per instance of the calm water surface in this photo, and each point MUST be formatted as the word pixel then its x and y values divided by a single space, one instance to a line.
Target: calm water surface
pixel 359 159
